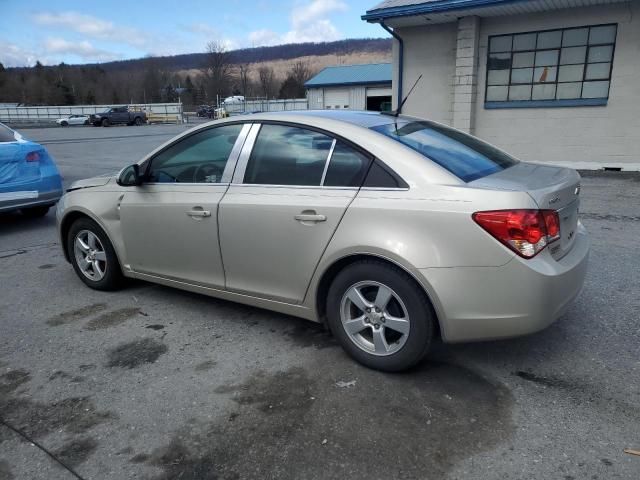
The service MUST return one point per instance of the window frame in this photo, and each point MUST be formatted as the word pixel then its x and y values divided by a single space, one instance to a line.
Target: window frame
pixel 555 102
pixel 245 155
pixel 229 168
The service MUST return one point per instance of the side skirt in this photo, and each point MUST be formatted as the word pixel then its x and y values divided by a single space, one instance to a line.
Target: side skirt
pixel 281 307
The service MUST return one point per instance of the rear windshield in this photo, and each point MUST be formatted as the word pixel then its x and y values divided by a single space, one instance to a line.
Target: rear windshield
pixel 6 134
pixel 463 155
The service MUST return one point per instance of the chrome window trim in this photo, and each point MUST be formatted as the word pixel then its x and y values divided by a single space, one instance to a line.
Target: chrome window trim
pixel 187 184
pixel 326 163
pixel 306 187
pixel 230 166
pixel 245 153
pixel 384 189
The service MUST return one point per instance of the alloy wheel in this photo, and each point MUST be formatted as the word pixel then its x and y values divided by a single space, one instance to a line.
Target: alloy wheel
pixel 374 318
pixel 90 255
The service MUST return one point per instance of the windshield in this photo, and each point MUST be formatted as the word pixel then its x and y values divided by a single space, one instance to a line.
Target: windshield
pixel 467 157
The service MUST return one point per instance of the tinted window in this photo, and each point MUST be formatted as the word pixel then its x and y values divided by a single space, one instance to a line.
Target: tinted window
pixel 347 167
pixel 465 156
pixel 198 158
pixel 284 155
pixel 6 134
pixel 380 176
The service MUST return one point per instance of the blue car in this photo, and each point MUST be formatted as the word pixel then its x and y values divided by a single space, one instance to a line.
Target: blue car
pixel 29 179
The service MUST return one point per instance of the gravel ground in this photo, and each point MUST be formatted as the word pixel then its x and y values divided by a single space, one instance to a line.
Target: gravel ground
pixel 151 382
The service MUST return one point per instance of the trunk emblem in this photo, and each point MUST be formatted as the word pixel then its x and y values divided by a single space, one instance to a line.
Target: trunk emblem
pixel 554 200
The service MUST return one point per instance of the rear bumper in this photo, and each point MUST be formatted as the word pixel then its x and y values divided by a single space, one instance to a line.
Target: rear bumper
pixel 26 198
pixel 521 297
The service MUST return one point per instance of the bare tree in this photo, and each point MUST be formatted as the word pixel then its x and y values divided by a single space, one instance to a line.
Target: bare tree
pixel 293 86
pixel 243 73
pixel 217 69
pixel 267 81
pixel 301 72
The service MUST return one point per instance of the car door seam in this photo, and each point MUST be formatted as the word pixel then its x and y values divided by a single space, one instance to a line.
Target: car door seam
pixel 321 256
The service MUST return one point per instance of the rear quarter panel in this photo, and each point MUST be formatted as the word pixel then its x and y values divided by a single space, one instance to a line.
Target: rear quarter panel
pixel 420 228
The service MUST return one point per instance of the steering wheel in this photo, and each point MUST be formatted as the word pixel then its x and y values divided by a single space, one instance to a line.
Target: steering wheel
pixel 207 170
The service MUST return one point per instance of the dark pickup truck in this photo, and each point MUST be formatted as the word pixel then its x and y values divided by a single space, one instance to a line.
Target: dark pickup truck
pixel 116 115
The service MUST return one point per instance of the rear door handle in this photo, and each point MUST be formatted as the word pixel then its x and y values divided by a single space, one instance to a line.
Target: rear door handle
pixel 309 217
pixel 199 213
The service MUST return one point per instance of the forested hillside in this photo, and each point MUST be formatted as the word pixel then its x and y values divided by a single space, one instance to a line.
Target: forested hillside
pixel 273 72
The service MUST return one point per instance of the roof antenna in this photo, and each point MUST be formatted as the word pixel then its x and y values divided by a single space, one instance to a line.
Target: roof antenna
pixel 398 111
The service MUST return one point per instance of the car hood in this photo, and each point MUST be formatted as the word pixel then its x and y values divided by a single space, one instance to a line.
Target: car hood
pixel 91 182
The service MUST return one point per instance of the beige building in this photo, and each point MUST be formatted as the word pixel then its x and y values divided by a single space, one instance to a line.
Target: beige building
pixel 554 81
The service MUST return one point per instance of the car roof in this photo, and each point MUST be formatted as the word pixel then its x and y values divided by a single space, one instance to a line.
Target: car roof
pixel 356 117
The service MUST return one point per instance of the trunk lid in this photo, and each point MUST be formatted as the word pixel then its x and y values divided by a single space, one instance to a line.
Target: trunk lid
pixel 15 170
pixel 552 188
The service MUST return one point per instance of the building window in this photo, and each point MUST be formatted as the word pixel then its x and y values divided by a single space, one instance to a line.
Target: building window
pixel 566 66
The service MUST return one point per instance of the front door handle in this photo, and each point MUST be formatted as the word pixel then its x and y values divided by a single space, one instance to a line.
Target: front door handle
pixel 310 217
pixel 199 213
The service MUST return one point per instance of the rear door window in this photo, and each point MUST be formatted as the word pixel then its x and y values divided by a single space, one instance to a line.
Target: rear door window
pixel 381 176
pixel 467 157
pixel 288 155
pixel 347 167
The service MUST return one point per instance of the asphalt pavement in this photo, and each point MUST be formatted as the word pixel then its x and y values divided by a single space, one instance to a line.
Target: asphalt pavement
pixel 155 383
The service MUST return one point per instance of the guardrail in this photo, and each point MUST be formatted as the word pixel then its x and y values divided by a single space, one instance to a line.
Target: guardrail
pixel 47 115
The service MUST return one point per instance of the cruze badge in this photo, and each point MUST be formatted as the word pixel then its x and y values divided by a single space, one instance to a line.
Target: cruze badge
pixel 570 236
pixel 554 200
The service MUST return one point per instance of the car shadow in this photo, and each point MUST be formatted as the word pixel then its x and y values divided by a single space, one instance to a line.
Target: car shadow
pixel 16 222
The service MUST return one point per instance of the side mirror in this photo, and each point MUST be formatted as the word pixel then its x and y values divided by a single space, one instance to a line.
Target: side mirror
pixel 130 176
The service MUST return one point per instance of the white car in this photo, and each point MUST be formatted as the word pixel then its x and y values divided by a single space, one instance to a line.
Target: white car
pixel 73 120
pixel 233 99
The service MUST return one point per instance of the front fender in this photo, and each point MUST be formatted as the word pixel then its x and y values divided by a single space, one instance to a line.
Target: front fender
pixel 101 207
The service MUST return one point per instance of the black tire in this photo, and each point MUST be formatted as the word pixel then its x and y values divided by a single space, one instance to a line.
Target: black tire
pixel 113 278
pixel 421 316
pixel 64 124
pixel 138 121
pixel 35 212
pixel 105 122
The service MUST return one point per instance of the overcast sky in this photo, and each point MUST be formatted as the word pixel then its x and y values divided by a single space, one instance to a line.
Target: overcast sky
pixel 98 31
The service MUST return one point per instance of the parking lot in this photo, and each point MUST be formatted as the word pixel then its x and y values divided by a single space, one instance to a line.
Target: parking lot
pixel 151 382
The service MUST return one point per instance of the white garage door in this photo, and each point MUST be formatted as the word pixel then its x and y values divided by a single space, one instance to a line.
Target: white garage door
pixel 379 92
pixel 336 98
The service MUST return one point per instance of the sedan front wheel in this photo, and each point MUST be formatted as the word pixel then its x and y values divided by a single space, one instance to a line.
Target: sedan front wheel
pixel 380 316
pixel 93 256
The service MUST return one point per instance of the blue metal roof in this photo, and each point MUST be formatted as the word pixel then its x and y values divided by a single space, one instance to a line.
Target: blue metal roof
pixel 404 8
pixel 375 73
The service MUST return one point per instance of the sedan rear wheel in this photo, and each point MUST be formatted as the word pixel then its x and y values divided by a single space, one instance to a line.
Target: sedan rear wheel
pixel 375 318
pixel 380 316
pixel 93 256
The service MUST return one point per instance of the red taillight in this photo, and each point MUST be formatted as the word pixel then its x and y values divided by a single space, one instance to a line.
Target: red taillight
pixel 526 232
pixel 33 157
pixel 552 222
